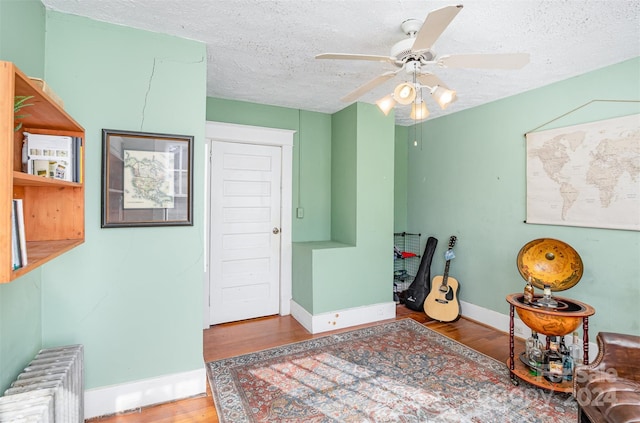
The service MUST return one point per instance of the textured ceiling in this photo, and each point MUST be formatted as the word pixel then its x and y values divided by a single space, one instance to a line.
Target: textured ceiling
pixel 263 51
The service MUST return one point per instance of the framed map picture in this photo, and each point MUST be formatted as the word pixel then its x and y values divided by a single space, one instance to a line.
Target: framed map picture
pixel 147 179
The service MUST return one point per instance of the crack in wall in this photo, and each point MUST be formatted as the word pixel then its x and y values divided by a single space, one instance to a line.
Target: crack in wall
pixel 153 71
pixel 146 96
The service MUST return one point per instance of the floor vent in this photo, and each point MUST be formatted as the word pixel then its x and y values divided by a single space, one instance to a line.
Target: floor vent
pixel 50 389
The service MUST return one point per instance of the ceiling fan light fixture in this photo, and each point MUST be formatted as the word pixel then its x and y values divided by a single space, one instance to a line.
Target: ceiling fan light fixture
pixel 386 103
pixel 419 110
pixel 443 96
pixel 415 56
pixel 404 93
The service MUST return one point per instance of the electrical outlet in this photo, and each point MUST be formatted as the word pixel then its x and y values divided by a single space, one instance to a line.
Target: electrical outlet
pixel 299 212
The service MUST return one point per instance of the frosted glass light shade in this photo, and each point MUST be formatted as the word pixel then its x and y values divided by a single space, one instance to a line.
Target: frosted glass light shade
pixel 386 103
pixel 405 93
pixel 419 111
pixel 443 96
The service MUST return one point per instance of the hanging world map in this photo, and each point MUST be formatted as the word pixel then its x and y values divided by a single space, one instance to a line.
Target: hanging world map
pixel 586 175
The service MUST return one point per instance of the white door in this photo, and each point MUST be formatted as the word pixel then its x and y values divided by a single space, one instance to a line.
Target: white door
pixel 245 231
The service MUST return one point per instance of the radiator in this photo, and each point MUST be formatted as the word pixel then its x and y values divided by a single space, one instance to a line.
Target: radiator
pixel 49 390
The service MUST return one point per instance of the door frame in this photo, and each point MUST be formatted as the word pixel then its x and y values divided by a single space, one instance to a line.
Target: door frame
pixel 246 134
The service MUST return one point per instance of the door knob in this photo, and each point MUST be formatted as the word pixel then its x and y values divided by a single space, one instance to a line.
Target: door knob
pixel 276 231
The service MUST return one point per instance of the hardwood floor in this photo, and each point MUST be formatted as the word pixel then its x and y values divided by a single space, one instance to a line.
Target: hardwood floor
pixel 231 339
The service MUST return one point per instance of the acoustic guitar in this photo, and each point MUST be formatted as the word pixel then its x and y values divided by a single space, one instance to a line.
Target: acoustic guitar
pixel 442 302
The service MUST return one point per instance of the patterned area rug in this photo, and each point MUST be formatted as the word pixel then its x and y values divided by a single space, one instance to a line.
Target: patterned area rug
pixel 393 372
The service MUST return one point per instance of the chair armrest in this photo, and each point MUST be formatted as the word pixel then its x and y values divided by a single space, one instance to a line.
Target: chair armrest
pixel 618 354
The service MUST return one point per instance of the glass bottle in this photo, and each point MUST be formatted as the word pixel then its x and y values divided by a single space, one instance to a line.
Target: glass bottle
pixel 547 300
pixel 528 345
pixel 553 362
pixel 528 291
pixel 536 356
pixel 575 350
pixel 567 365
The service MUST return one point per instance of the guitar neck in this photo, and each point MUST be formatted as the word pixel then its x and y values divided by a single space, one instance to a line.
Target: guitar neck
pixel 448 256
pixel 446 273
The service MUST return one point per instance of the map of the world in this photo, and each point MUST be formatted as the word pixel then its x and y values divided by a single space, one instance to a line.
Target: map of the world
pixel 586 175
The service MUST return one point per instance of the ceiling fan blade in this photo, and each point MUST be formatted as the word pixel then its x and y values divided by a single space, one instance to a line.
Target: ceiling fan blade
pixel 430 80
pixel 360 91
pixel 485 61
pixel 344 56
pixel 434 25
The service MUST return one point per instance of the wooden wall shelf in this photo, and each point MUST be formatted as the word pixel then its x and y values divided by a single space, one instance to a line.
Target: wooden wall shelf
pixel 53 209
pixel 24 179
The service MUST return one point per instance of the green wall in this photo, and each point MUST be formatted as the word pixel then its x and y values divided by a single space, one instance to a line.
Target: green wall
pixel 345 143
pixel 467 178
pixel 350 274
pixel 132 296
pixel 302 272
pixel 20 325
pixel 22 34
pixel 400 179
pixel 20 301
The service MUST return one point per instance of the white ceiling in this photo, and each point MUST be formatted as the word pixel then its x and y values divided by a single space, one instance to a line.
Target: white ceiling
pixel 262 51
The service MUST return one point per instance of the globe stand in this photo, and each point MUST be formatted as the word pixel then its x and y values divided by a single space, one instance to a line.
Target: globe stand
pixel 551 265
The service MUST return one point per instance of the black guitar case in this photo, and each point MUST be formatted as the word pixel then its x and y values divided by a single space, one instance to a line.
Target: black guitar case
pixel 417 292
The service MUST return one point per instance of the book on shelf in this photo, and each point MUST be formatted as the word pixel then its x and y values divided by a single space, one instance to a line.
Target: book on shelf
pixel 77 159
pixel 53 156
pixel 18 240
pixel 15 249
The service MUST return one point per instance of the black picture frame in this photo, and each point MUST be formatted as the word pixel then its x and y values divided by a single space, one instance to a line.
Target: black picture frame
pixel 147 179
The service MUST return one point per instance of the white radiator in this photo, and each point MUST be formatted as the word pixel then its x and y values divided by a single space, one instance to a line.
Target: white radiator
pixel 49 390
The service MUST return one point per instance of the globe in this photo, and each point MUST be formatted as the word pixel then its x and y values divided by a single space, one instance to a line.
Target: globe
pixel 550 262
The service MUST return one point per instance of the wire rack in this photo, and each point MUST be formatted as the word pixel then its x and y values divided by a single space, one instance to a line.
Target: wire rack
pixel 406 260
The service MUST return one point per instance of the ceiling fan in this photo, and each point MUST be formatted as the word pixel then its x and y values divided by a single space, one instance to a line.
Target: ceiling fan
pixel 415 55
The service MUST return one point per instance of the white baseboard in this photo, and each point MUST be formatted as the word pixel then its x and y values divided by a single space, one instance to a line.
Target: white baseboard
pixel 302 316
pixel 494 319
pixel 130 396
pixel 500 322
pixel 341 319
